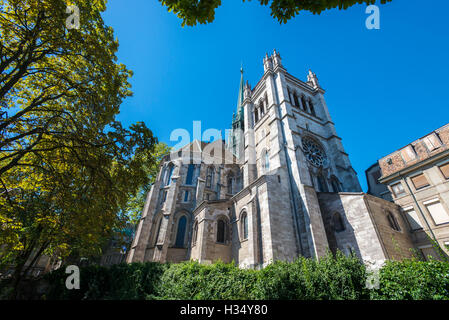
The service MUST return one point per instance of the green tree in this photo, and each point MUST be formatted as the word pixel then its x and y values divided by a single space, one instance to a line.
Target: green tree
pixel 136 203
pixel 203 11
pixel 67 167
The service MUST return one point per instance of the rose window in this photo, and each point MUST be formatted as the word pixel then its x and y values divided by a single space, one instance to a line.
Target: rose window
pixel 313 152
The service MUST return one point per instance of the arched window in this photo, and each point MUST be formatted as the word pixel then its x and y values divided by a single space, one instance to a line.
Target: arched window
pixel 195 232
pixel 393 222
pixel 295 99
pixel 181 232
pixel 256 115
pixel 209 177
pixel 230 183
pixel 244 225
pixel 266 161
pixel 222 231
pixel 262 109
pixel 338 222
pixel 304 104
pixel 311 107
pixel 336 184
pixel 322 185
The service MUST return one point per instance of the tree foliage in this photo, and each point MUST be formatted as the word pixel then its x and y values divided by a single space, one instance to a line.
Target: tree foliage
pixel 67 167
pixel 192 12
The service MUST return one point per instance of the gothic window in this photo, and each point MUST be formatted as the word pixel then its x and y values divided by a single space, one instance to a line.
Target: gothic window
pixel 244 225
pixel 393 222
pixel 190 170
pixel 295 99
pixel 312 108
pixel 222 231
pixel 289 95
pixel 314 152
pixel 209 177
pixel 336 184
pixel 304 104
pixel 195 232
pixel 338 222
pixel 266 161
pixel 181 232
pixel 230 183
pixel 256 115
pixel 186 196
pixel 322 185
pixel 262 110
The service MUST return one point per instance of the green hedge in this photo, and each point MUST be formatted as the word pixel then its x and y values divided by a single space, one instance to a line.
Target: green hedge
pixel 331 277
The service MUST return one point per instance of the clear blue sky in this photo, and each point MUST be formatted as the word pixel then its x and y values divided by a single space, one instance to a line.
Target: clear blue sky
pixel 384 88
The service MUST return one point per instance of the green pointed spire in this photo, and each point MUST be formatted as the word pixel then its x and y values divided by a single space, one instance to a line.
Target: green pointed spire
pixel 240 98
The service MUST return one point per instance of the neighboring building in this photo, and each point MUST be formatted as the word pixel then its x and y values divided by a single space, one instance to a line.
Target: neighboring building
pixel 283 187
pixel 376 188
pixel 116 250
pixel 418 178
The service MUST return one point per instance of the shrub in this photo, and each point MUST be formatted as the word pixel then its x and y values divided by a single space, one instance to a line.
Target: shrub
pixel 413 280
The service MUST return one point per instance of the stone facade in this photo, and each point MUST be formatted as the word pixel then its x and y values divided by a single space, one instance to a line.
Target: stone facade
pixel 418 178
pixel 271 194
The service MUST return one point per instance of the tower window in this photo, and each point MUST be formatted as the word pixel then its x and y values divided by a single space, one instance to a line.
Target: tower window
pixel 189 178
pixel 304 104
pixel 295 98
pixel 256 115
pixel 230 183
pixel 186 196
pixel 312 108
pixel 209 177
pixel 169 174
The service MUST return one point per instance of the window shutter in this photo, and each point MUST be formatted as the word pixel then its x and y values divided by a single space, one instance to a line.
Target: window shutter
pixel 445 170
pixel 420 181
pixel 436 210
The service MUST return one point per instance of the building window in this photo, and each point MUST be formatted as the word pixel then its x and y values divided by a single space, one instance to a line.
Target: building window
pixel 164 196
pixel 336 184
pixel 230 183
pixel 445 170
pixel 322 185
pixel 312 108
pixel 186 196
pixel 432 142
pixel 304 103
pixel 190 170
pixel 256 115
pixel 393 222
pixel 412 219
pixel 244 225
pixel 221 231
pixel 209 177
pixel 338 222
pixel 262 110
pixel 195 232
pixel 295 99
pixel 181 232
pixel 437 211
pixel 398 189
pixel 419 181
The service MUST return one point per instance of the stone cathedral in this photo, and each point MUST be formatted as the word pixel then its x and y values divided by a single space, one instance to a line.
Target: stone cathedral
pixel 281 187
